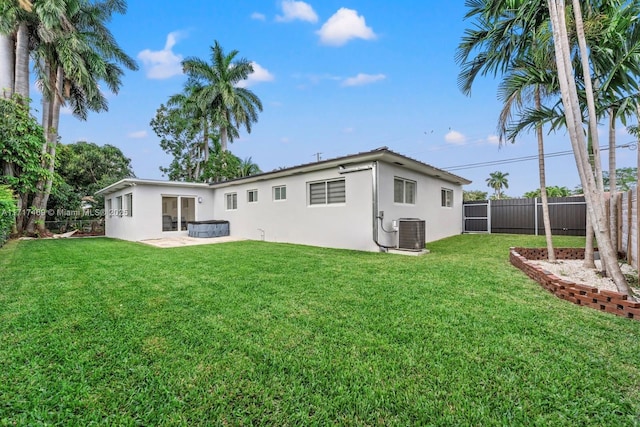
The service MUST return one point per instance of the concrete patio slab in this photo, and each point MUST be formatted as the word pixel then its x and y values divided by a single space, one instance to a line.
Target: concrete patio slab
pixel 176 242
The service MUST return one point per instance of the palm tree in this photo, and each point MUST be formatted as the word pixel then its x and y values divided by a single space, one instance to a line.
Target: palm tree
pixel 14 48
pixel 498 180
pixel 190 109
pixel 247 168
pixel 502 38
pixel 575 126
pixel 230 106
pixel 73 52
pixel 615 55
pixel 525 60
pixel 529 81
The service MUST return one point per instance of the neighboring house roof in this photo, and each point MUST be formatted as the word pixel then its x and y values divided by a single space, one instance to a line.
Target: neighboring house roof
pixel 130 182
pixel 379 154
pixel 382 154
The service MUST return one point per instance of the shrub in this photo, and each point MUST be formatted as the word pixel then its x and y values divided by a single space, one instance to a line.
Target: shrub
pixel 8 211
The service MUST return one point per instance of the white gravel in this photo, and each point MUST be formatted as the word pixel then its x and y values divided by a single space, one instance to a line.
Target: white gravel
pixel 574 271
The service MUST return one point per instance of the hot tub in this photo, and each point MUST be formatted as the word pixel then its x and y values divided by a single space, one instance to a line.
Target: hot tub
pixel 212 228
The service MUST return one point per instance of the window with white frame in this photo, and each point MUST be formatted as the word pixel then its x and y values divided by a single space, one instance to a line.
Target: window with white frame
pixel 129 204
pixel 109 207
pixel 252 196
pixel 280 192
pixel 119 205
pixel 231 201
pixel 446 196
pixel 404 191
pixel 327 192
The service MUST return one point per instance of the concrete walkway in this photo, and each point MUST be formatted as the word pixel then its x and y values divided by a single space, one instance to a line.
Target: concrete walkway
pixel 175 242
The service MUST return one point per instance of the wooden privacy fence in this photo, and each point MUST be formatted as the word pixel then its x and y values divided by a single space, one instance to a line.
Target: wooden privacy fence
pixel 524 216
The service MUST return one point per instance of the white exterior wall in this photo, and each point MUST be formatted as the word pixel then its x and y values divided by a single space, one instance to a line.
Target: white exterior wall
pixel 344 225
pixel 146 222
pixel 440 221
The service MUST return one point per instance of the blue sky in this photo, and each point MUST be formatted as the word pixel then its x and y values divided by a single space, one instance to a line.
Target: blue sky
pixel 334 77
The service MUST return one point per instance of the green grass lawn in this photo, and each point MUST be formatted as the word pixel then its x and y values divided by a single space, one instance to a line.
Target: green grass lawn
pixel 116 333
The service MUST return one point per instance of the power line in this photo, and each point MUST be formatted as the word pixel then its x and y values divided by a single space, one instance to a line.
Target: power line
pixel 631 145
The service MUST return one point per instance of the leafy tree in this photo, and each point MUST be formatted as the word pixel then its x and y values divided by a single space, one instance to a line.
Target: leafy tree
pixel 497 181
pixel 8 212
pixel 248 168
pixel 21 141
pixel 222 166
pixel 181 136
pixel 473 195
pixel 73 52
pixel 552 191
pixel 626 178
pixel 83 169
pixel 186 135
pixel 230 106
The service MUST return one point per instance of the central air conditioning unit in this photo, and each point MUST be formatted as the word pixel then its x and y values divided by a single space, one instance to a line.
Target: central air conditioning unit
pixel 411 234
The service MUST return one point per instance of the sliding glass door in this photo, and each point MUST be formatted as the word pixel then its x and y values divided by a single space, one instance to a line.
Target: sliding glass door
pixel 177 211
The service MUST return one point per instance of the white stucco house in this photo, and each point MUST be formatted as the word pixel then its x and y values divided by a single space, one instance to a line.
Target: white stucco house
pixel 369 201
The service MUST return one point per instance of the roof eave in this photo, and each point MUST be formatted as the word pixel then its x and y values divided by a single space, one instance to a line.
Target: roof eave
pixel 131 182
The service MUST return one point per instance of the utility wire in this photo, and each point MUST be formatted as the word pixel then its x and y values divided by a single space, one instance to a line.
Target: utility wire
pixel 632 146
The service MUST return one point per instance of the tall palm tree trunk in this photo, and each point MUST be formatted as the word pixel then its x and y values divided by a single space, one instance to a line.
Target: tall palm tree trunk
pixel 7 67
pixel 589 256
pixel 223 139
pixel 22 61
pixel 205 139
pixel 637 177
pixel 551 254
pixel 23 203
pixel 50 125
pixel 594 198
pixel 613 211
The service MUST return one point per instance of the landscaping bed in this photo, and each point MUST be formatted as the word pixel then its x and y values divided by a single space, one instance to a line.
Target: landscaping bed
pixel 578 293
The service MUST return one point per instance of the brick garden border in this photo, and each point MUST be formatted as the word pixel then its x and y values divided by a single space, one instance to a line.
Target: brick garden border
pixel 577 293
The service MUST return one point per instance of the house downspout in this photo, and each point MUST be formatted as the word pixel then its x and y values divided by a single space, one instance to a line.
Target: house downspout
pixel 374 180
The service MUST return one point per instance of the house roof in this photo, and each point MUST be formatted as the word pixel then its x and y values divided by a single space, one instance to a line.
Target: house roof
pixel 130 182
pixel 379 154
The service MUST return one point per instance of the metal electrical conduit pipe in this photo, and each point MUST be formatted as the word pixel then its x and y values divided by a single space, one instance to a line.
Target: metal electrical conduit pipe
pixel 376 217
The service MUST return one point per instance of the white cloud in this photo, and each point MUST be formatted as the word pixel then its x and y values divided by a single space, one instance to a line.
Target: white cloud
pixel 314 79
pixel 363 79
pixel 297 10
pixel 343 26
pixel 138 134
pixel 162 64
pixel 455 137
pixel 257 16
pixel 493 140
pixel 260 74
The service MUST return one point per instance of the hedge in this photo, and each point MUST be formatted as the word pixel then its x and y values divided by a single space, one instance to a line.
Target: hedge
pixel 8 211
